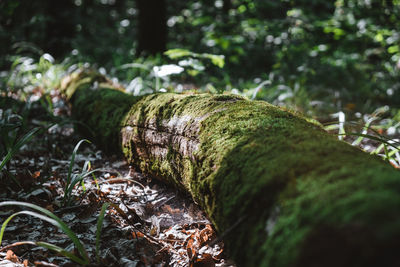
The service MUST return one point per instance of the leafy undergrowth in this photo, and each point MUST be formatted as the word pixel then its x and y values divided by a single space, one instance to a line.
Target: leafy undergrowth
pixel 375 133
pixel 146 223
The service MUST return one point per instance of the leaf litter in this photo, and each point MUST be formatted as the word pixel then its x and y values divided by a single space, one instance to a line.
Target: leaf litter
pixel 147 223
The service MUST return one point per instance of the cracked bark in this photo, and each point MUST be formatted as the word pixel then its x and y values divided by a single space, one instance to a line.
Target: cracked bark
pixel 302 198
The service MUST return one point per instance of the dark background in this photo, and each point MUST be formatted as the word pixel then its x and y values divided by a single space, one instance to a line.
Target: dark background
pixel 344 52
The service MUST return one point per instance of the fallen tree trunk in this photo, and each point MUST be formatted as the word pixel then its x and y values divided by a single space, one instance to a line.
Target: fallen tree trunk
pixel 281 190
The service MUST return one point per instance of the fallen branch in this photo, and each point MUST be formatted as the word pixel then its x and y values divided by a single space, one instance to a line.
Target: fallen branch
pixel 307 199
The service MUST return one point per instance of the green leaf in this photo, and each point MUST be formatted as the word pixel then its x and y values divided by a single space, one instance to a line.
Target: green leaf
pixel 55 248
pixel 217 60
pixel 72 162
pixel 382 140
pixel 76 179
pixel 51 218
pixel 178 53
pixel 135 66
pixel 393 49
pixel 379 37
pixel 25 139
pixel 99 227
pixel 62 252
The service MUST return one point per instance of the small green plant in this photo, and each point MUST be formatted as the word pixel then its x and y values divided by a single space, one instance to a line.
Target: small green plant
pixel 49 217
pixel 75 178
pixel 389 147
pixel 99 227
pixel 10 125
pixel 27 73
pixel 217 60
pixel 154 73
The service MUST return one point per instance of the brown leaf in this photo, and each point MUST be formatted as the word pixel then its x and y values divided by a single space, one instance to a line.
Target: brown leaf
pixel 205 261
pixel 218 255
pixel 11 256
pixel 170 210
pixel 153 231
pixel 36 174
pixel 190 249
pixel 206 234
pixel 137 235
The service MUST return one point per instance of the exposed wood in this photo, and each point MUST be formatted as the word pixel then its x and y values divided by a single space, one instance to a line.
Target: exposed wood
pixel 281 190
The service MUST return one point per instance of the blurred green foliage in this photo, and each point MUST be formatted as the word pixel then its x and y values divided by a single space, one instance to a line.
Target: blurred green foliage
pixel 295 52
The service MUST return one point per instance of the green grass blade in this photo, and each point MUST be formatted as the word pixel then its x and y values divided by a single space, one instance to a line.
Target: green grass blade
pixel 379 139
pixel 72 162
pixel 4 225
pixel 99 227
pixel 73 182
pixel 53 219
pixel 134 66
pixel 86 168
pixel 13 178
pixel 365 130
pixel 46 245
pixel 378 149
pixel 96 181
pixel 49 220
pixel 385 147
pixel 26 138
pixel 62 252
pixel 393 152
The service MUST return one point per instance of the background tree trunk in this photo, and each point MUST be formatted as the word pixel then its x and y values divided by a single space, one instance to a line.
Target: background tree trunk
pixel 152 26
pixel 281 190
pixel 227 5
pixel 60 27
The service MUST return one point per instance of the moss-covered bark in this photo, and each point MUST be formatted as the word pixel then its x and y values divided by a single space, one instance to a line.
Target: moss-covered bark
pixel 300 196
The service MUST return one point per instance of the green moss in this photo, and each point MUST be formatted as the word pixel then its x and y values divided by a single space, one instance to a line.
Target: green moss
pixel 102 112
pixel 289 183
pixel 254 157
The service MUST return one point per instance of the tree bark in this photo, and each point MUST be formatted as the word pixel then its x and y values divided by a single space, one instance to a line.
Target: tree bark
pixel 227 5
pixel 60 28
pixel 152 26
pixel 281 190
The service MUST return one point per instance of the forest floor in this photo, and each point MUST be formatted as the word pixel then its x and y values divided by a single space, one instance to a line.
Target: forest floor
pixel 150 224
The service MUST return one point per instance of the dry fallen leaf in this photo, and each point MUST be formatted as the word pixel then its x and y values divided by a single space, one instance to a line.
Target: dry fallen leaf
pixel 191 251
pixel 170 210
pixel 205 261
pixel 206 234
pixel 154 231
pixel 36 174
pixel 11 256
pixel 137 235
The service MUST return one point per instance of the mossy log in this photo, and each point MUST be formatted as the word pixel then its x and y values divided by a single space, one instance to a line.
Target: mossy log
pixel 281 190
